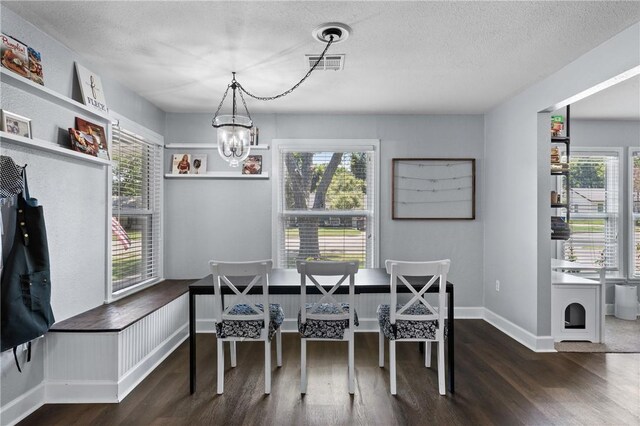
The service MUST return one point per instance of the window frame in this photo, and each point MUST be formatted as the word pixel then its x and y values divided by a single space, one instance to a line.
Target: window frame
pixel 324 145
pixel 632 275
pixel 155 139
pixel 619 273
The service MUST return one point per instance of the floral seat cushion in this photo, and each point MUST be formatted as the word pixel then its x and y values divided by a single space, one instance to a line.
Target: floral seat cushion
pixel 250 328
pixel 325 328
pixel 407 329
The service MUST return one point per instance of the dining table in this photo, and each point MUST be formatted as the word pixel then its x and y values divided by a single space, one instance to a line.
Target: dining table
pixel 287 282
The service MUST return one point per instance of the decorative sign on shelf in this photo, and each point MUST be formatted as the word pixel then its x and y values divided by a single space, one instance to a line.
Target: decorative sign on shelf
pixel 91 88
pixel 433 188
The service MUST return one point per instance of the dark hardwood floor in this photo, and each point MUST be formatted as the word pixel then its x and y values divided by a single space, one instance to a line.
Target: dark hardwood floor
pixel 498 381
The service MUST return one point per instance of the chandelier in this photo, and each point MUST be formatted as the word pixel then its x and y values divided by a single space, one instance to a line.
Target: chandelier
pixel 234 131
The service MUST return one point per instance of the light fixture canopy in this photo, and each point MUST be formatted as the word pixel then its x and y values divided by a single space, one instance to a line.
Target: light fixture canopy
pixel 234 131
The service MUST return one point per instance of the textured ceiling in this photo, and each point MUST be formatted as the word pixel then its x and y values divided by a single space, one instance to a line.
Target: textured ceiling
pixel 402 57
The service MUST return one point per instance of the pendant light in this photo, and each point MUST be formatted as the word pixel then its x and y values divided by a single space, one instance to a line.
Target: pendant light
pixel 234 131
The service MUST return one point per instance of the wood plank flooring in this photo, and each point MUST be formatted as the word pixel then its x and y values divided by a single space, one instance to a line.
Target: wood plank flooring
pixel 498 381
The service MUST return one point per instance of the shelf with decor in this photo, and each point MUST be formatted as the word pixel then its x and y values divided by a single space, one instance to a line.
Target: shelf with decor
pixel 212 174
pixel 217 175
pixel 208 146
pixel 46 146
pixel 50 95
pixel 560 201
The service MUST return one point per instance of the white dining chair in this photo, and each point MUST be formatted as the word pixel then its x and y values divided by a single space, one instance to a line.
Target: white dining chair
pixel 245 319
pixel 416 320
pixel 327 319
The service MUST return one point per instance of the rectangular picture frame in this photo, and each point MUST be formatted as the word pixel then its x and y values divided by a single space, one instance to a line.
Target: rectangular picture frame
pixel 181 164
pixel 16 124
pixel 252 165
pixel 433 188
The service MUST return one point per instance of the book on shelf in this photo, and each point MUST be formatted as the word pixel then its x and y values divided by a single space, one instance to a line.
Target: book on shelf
pixel 198 164
pixel 14 55
pixel 35 66
pixel 181 164
pixel 82 142
pixel 557 125
pixel 252 165
pixel 97 133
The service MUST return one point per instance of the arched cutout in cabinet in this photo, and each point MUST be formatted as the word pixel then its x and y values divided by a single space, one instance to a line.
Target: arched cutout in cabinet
pixel 575 316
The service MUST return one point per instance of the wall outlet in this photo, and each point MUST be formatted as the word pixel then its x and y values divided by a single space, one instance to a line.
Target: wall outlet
pixel 497 285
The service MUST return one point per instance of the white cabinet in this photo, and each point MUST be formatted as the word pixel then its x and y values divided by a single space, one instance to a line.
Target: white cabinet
pixel 577 303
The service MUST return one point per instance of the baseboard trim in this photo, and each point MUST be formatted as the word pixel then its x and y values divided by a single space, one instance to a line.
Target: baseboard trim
pixel 610 309
pixel 18 409
pixel 205 325
pixel 519 334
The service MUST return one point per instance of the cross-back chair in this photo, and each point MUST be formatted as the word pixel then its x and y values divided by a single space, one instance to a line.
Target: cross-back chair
pixel 326 319
pixel 416 320
pixel 245 319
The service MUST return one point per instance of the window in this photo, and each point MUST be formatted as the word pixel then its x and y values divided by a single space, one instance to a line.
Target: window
pixel 594 203
pixel 136 244
pixel 634 169
pixel 326 204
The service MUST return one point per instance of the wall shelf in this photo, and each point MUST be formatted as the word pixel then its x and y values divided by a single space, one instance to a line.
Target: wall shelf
pixel 46 146
pixel 217 175
pixel 208 146
pixel 52 96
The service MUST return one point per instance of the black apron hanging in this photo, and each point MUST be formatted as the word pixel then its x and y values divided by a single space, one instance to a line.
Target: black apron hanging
pixel 26 283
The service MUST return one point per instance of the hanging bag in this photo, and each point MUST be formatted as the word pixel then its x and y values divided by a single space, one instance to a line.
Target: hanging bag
pixel 26 283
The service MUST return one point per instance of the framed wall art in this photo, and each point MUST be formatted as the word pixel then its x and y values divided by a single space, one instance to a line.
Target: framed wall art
pixel 433 188
pixel 16 124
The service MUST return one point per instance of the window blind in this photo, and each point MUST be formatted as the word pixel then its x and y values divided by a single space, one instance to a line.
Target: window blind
pixel 594 205
pixel 136 198
pixel 326 206
pixel 635 212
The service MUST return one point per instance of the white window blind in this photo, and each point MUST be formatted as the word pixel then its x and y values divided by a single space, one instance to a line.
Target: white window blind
pixel 635 213
pixel 136 198
pixel 594 205
pixel 326 205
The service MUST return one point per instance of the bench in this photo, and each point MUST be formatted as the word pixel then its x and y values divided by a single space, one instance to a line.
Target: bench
pixel 101 355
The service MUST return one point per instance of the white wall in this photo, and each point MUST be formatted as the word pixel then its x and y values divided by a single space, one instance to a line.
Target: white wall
pixel 231 219
pixel 516 187
pixel 72 192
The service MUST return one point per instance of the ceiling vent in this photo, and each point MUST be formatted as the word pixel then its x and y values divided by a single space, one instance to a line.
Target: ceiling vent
pixel 328 63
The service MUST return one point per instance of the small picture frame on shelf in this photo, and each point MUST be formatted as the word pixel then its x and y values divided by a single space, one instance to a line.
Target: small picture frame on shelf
pixel 252 165
pixel 16 124
pixel 97 133
pixel 181 164
pixel 91 89
pixel 198 164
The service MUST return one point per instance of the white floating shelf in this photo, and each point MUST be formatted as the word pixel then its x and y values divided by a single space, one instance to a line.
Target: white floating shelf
pixel 48 94
pixel 217 175
pixel 46 146
pixel 208 146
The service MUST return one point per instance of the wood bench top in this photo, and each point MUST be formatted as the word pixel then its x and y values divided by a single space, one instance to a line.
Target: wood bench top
pixel 118 315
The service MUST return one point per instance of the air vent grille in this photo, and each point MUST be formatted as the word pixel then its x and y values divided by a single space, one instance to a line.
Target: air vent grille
pixel 328 63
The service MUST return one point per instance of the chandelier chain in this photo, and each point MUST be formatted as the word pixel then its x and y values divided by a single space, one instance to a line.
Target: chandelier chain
pixel 220 106
pixel 245 106
pixel 271 98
